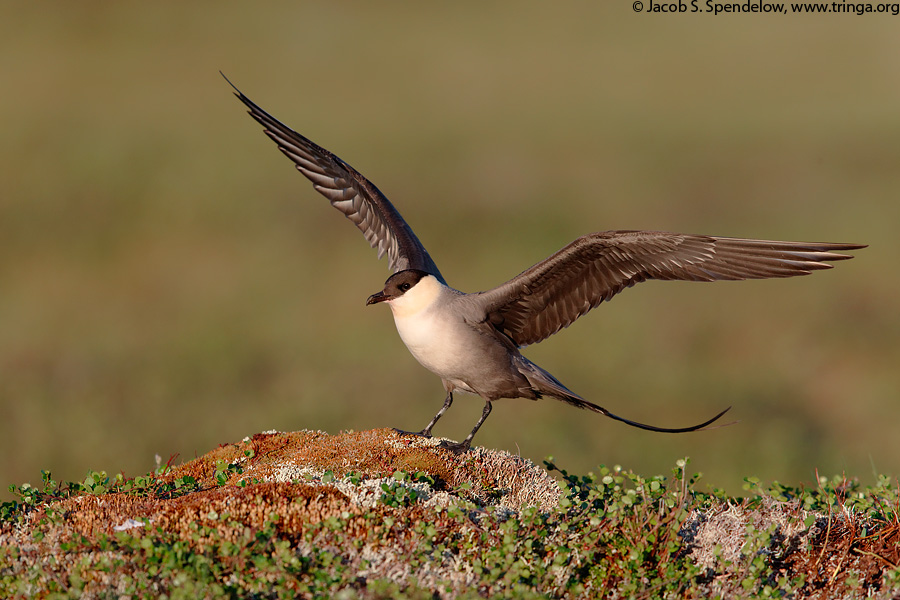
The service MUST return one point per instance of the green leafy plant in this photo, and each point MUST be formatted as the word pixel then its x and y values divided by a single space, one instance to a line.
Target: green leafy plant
pixel 225 470
pixel 614 532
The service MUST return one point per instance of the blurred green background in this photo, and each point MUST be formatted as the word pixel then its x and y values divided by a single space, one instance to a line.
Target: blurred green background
pixel 169 282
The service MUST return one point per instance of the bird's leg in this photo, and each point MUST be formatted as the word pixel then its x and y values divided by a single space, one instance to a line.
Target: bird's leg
pixel 447 402
pixel 459 447
pixel 427 431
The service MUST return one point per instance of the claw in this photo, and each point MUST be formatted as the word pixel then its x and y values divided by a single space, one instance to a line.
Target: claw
pixel 455 447
pixel 424 433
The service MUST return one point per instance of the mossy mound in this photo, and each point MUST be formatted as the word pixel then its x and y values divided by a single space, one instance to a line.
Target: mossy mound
pixel 375 514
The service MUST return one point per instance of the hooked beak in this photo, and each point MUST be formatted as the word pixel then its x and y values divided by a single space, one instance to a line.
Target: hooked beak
pixel 376 298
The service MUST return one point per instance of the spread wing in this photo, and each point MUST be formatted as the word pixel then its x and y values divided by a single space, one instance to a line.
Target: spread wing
pixel 349 192
pixel 552 294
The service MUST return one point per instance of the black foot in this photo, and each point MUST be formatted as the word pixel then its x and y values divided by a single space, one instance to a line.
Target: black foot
pixel 423 433
pixel 455 447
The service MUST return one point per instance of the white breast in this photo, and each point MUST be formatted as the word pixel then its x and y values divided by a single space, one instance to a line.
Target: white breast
pixel 433 336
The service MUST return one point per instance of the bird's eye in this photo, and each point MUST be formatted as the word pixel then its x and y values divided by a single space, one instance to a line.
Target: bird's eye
pixel 404 287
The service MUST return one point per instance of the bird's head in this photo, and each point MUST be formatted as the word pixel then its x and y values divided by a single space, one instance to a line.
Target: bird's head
pixel 410 291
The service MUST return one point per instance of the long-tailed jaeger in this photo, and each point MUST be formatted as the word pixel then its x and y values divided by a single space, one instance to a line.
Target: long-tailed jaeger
pixel 473 341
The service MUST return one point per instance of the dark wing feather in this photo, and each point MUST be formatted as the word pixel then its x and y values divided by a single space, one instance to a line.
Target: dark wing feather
pixel 552 294
pixel 349 192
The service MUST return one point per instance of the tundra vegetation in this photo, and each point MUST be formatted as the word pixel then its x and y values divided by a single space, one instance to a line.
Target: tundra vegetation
pixel 375 515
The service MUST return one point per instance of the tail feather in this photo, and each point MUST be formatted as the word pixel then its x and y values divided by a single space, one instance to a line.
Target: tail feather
pixel 698 427
pixel 548 385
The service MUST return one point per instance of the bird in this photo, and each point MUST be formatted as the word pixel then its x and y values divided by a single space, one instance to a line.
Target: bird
pixel 473 341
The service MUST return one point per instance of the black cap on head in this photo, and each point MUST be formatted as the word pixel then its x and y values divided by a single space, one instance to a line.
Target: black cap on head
pixel 397 285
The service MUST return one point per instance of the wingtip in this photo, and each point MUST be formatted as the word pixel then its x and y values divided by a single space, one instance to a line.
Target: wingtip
pixel 253 109
pixel 228 80
pixel 237 92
